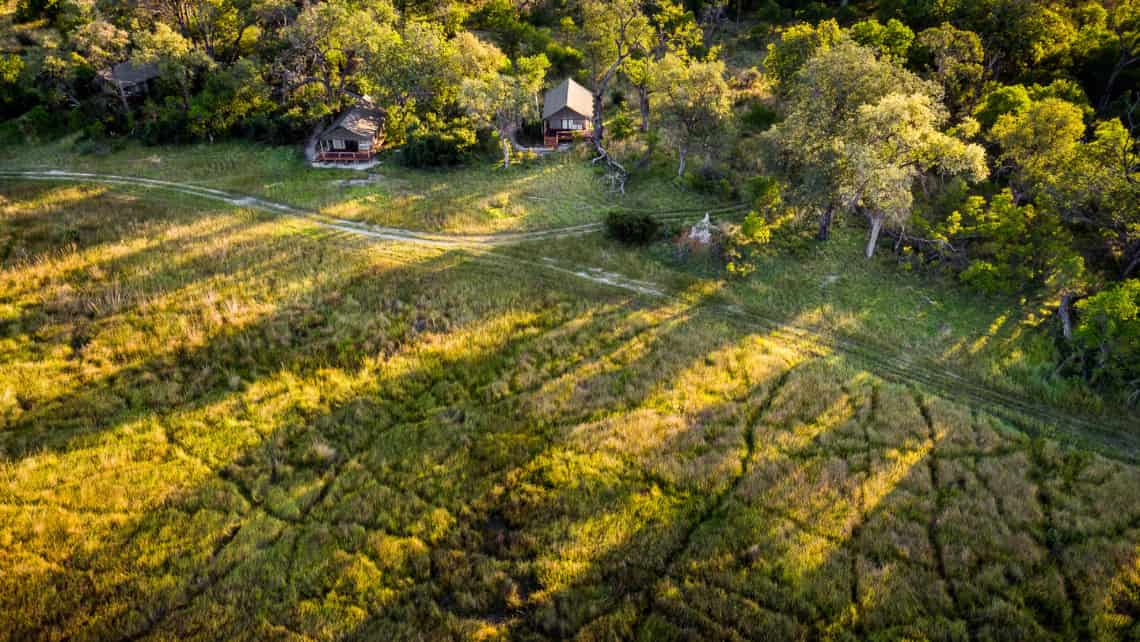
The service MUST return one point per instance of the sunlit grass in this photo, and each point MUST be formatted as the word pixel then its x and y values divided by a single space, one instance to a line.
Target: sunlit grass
pixel 214 424
pixel 557 190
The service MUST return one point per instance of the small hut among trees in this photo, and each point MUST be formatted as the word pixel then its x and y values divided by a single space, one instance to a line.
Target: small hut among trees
pixel 567 112
pixel 355 136
pixel 127 80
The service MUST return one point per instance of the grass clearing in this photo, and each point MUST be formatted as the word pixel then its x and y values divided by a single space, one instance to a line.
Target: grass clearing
pixel 214 423
pixel 910 319
pixel 557 190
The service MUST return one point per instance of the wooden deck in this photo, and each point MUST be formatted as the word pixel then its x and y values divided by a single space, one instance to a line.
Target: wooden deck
pixel 342 157
pixel 555 137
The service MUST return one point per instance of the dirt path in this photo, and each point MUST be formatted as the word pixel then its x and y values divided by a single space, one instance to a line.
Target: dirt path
pixel 1027 414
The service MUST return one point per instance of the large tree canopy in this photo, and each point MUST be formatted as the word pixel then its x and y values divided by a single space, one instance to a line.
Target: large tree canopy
pixel 825 98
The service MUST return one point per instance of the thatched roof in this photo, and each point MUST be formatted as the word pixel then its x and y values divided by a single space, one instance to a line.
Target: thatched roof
pixel 129 73
pixel 358 122
pixel 568 95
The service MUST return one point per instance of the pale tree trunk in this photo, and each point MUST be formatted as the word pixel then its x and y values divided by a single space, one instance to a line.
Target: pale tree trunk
pixel 682 151
pixel 825 224
pixel 506 153
pixel 876 227
pixel 1065 311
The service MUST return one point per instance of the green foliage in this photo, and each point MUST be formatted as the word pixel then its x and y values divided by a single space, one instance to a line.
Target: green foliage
pixel 65 14
pixel 1063 89
pixel 694 105
pixel 759 117
pixel 439 143
pixel 1040 138
pixel 765 232
pixel 1009 99
pixel 883 132
pixel 1108 330
pixel 630 227
pixel 40 125
pixel 1021 249
pixel 622 126
pixel 709 179
pixel 10 67
pixel 796 45
pixel 501 95
pixel 755 228
pixel 565 60
pixel 12 93
pixel 892 39
pixel 954 57
pixel 233 100
pixel 510 30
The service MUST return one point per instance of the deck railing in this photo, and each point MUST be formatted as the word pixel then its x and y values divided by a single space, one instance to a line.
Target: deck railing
pixel 344 156
pixel 555 137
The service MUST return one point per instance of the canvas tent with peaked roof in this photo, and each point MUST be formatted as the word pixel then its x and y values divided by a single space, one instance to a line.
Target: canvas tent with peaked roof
pixel 354 136
pixel 567 111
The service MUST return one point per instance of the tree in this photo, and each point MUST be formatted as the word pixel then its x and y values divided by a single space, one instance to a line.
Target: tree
pixel 101 43
pixel 333 43
pixel 231 99
pixel 1039 140
pixel 696 104
pixel 1124 24
pixel 806 147
pixel 1018 34
pixel 892 40
pixel 1109 333
pixel 502 99
pixel 178 59
pixel 797 44
pixel 674 30
pixel 1098 186
pixel 1008 99
pixel 612 30
pixel 889 145
pixel 421 65
pixel 1017 247
pixel 954 58
pixel 217 26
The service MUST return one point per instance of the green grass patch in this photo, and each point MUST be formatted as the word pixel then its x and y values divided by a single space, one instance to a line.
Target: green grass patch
pixel 218 424
pixel 828 288
pixel 556 190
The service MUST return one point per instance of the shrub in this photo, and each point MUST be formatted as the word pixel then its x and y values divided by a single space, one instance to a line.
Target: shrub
pixel 436 143
pixel 1109 334
pixel 759 117
pixel 40 124
pixel 710 180
pixel 622 126
pixel 164 123
pixel 634 228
